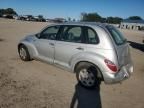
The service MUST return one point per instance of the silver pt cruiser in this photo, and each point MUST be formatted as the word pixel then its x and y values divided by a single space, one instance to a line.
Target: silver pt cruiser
pixel 95 52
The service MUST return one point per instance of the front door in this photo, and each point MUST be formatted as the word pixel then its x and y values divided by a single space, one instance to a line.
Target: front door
pixel 46 43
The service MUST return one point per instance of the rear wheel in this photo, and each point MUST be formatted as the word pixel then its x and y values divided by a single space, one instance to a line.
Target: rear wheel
pixel 86 74
pixel 23 53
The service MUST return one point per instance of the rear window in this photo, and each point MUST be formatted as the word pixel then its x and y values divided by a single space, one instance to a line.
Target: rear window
pixel 116 35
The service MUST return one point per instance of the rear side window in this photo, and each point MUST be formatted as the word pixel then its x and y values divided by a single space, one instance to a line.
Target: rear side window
pixel 92 37
pixel 71 34
pixel 116 35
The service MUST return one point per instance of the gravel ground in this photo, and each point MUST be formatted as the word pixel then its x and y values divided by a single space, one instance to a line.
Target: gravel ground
pixel 39 85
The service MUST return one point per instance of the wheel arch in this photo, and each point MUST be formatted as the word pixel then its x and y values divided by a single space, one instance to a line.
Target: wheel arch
pixel 99 74
pixel 31 49
pixel 19 45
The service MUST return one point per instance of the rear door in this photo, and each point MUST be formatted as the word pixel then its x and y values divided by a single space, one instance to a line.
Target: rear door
pixel 121 46
pixel 69 44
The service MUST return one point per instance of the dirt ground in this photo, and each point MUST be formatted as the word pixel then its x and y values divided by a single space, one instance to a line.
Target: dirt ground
pixel 39 85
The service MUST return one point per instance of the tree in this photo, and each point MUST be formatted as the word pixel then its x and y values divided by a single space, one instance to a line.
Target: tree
pixel 1 12
pixel 29 16
pixel 103 20
pixel 69 19
pixel 8 11
pixel 114 20
pixel 74 20
pixel 93 17
pixel 135 18
pixel 40 16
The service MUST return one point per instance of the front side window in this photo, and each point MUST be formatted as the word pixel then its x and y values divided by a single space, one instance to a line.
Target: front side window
pixel 71 34
pixel 116 35
pixel 49 33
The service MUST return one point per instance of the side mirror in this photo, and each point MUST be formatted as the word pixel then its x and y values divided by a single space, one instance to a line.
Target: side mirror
pixel 37 35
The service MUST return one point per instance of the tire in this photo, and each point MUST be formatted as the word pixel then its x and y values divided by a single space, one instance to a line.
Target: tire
pixel 86 74
pixel 23 53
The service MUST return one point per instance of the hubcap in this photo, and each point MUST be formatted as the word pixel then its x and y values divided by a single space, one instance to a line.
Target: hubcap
pixel 87 77
pixel 22 53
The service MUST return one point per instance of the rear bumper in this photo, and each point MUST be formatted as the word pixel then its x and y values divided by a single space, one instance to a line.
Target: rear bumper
pixel 124 73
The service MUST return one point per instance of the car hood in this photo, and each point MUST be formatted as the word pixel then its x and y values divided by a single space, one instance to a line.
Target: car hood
pixel 30 38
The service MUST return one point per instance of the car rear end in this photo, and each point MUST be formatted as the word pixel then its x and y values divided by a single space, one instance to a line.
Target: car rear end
pixel 124 66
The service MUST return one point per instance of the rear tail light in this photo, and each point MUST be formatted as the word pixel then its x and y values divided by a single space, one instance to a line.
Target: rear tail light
pixel 111 65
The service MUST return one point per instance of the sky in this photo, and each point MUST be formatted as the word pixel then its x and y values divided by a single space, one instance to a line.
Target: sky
pixel 74 8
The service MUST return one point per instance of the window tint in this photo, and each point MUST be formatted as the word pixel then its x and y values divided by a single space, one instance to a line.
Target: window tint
pixel 71 34
pixel 50 33
pixel 116 35
pixel 92 36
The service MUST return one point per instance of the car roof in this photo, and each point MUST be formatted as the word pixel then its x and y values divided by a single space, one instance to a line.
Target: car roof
pixel 84 24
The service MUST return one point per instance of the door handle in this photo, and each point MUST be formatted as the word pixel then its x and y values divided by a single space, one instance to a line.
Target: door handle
pixel 80 48
pixel 52 44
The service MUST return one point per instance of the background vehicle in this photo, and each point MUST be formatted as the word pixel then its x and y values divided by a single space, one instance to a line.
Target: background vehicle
pixel 94 51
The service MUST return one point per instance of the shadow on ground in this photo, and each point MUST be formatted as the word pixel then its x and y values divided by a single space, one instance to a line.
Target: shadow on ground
pixel 137 45
pixel 85 98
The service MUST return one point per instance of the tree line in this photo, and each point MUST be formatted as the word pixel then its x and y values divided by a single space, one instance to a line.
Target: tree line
pixel 10 13
pixel 95 17
pixel 7 11
pixel 91 17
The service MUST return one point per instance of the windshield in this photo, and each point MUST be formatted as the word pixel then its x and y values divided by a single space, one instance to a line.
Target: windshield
pixel 116 35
